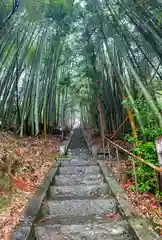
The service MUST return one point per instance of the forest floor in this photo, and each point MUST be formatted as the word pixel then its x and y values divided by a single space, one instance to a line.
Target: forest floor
pixel 26 161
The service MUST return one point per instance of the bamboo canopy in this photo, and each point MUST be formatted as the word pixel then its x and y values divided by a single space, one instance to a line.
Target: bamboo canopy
pixel 53 52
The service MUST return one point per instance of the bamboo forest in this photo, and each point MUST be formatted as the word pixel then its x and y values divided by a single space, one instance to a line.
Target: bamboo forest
pixel 95 63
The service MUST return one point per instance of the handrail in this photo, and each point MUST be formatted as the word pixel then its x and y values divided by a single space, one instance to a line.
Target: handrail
pixel 159 169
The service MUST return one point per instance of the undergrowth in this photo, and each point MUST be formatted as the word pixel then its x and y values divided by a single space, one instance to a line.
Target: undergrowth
pixel 146 176
pixel 144 146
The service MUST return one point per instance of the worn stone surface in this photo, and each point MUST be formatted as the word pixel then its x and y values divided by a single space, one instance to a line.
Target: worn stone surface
pixel 78 190
pixel 63 147
pixel 116 230
pixel 80 154
pixel 79 207
pixel 72 220
pixel 76 162
pixel 23 233
pixel 79 170
pixel 142 229
pixel 73 179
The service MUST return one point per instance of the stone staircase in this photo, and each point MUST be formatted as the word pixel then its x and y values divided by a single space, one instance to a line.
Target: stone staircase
pixel 78 204
pixel 77 140
pixel 75 202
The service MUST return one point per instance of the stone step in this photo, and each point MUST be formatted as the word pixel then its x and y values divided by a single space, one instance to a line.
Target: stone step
pixel 78 190
pixel 77 162
pixel 72 208
pixel 81 145
pixel 79 156
pixel 115 230
pixel 79 152
pixel 73 179
pixel 79 170
pixel 91 218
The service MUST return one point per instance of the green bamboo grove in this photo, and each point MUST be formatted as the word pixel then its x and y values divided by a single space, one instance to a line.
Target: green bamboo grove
pixel 52 53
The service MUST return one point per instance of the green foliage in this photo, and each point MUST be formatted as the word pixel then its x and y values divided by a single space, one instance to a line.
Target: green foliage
pixel 146 176
pixel 152 133
pixel 146 121
pixel 148 130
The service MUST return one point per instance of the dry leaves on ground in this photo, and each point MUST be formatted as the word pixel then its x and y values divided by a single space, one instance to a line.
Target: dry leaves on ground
pixel 30 158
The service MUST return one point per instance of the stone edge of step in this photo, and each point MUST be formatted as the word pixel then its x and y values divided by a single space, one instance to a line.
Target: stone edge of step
pixel 24 229
pixel 140 227
pixel 69 170
pixel 121 224
pixel 76 220
pixel 100 185
pixel 55 204
pixel 77 163
pixel 94 190
pixel 70 166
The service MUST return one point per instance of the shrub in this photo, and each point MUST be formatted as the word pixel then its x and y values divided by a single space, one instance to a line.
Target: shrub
pixel 146 176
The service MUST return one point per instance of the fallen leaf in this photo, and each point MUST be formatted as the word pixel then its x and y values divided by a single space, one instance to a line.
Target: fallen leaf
pixel 20 151
pixel 19 183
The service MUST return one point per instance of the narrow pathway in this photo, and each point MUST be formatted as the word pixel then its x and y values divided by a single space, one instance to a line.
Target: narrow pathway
pixel 78 205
